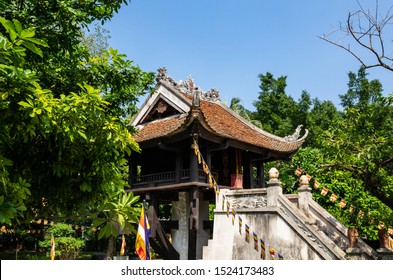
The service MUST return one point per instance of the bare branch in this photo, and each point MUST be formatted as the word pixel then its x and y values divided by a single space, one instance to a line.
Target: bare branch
pixel 366 30
pixel 345 48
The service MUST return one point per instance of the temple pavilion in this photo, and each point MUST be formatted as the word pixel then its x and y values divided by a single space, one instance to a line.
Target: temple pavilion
pixel 175 117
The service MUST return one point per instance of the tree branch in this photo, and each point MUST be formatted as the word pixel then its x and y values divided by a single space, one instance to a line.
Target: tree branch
pixel 346 167
pixel 369 38
pixel 386 162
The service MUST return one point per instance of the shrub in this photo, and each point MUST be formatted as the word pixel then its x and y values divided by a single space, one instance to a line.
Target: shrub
pixel 67 247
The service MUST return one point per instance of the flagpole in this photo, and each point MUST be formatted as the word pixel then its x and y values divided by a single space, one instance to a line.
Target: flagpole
pixel 147 232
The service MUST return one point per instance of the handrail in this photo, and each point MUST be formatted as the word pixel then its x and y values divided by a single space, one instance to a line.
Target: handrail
pixel 169 176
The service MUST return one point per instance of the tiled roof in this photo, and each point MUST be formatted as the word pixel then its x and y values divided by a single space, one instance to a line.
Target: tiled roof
pixel 229 125
pixel 218 119
pixel 159 128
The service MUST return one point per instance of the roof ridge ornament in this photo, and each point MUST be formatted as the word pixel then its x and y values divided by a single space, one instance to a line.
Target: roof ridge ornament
pixel 187 87
pixel 162 76
pixel 296 135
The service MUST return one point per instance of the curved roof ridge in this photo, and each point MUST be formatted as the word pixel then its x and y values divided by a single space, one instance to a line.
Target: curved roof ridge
pixel 258 129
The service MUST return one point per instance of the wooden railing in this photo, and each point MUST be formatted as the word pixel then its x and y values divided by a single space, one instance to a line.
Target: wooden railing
pixel 165 178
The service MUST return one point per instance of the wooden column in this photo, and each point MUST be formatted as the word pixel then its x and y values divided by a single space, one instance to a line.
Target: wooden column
pixel 261 174
pixel 209 163
pixel 152 212
pixel 193 166
pixel 179 164
pixel 132 170
pixel 247 172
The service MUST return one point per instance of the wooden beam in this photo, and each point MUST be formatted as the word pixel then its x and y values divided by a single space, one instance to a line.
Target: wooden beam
pixel 152 213
pixel 177 187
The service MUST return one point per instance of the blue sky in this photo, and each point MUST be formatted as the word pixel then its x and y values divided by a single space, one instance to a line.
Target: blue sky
pixel 225 44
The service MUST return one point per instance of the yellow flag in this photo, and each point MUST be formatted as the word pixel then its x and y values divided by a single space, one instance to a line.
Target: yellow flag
pixel 123 245
pixel 52 248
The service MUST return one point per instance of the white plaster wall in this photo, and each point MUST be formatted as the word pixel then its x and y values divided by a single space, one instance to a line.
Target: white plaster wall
pixel 220 248
pixel 202 235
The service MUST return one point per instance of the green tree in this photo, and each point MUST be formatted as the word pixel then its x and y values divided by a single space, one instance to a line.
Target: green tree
pixel 349 153
pixel 62 111
pixel 243 112
pixel 97 40
pixel 361 141
pixel 67 247
pixel 320 118
pixel 341 182
pixel 117 215
pixel 276 111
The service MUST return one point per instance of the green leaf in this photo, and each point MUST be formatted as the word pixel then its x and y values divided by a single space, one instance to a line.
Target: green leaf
pixel 24 104
pixel 37 41
pixel 85 187
pixel 97 223
pixel 103 232
pixel 9 26
pixel 21 208
pixel 33 48
pixel 3 42
pixel 27 33
pixel 82 134
pixel 18 26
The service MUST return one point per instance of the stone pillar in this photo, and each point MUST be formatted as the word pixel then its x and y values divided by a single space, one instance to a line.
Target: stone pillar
pixel 353 237
pixel 304 195
pixel 180 213
pixel 274 189
pixel 384 251
pixel 355 254
pixel 385 254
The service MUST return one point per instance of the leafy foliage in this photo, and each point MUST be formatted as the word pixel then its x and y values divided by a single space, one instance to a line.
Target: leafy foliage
pixel 118 215
pixel 278 112
pixel 67 247
pixel 349 152
pixel 63 112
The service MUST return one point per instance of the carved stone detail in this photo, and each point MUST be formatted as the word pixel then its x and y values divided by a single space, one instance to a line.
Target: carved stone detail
pixel 188 87
pixel 295 136
pixel 353 236
pixel 162 76
pixel 247 201
pixel 211 95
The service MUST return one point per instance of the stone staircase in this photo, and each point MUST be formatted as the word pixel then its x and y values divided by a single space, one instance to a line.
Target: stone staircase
pixel 293 225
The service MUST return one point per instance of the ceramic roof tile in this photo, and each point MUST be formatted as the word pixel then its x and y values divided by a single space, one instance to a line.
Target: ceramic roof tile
pixel 224 123
pixel 159 128
pixel 218 118
pixel 229 125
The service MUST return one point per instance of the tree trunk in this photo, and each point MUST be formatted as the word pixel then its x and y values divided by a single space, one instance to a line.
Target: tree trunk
pixel 111 247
